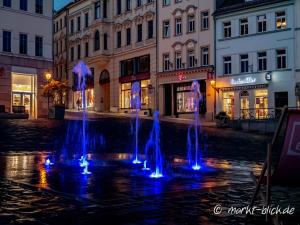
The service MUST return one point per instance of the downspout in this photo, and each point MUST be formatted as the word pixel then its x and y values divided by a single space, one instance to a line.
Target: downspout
pixel 157 57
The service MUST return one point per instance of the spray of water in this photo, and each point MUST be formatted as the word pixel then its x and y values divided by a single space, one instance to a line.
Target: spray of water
pixel 136 104
pixel 83 71
pixel 193 131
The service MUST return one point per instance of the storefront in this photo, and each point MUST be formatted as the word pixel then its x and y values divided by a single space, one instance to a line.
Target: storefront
pixel 175 95
pixel 24 90
pixel 255 96
pixel 126 95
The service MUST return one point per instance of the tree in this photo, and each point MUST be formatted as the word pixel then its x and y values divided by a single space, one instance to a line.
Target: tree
pixel 55 89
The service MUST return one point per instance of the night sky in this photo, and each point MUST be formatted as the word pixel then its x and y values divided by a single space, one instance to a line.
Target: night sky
pixel 58 4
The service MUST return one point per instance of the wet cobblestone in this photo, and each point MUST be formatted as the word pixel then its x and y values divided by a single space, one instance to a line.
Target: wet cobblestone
pixel 24 199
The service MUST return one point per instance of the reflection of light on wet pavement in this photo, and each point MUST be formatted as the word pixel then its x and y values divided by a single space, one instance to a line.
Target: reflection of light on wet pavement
pixel 19 166
pixel 43 177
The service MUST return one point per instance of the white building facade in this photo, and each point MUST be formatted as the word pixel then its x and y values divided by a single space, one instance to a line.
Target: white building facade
pixel 255 58
pixel 25 54
pixel 185 53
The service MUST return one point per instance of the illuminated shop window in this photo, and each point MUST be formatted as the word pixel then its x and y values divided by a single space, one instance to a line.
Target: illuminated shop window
pixel 228 103
pixel 261 104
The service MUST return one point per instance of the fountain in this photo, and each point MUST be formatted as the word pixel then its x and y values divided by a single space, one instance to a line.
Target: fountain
pixel 82 71
pixel 154 144
pixel 136 104
pixel 193 147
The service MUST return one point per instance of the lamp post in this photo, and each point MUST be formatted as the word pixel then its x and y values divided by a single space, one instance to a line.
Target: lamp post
pixel 48 77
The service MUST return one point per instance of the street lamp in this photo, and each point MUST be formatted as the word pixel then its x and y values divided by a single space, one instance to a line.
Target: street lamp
pixel 214 86
pixel 48 77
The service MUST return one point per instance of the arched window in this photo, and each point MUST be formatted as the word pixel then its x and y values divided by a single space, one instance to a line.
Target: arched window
pixel 97 41
pixel 104 77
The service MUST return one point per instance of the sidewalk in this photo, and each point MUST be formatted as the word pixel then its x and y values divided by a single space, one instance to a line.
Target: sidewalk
pixel 75 114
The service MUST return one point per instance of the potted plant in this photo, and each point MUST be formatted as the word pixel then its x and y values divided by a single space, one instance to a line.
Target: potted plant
pixel 56 90
pixel 222 119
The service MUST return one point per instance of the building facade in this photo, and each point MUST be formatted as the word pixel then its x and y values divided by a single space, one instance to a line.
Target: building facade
pixel 255 57
pixel 25 54
pixel 117 41
pixel 185 53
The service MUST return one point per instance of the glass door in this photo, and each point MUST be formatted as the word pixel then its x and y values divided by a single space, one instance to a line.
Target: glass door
pixel 17 99
pixel 27 103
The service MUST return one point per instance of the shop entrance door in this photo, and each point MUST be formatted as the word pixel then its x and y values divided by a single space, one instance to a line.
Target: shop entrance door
pixel 23 99
pixel 106 96
pixel 168 100
pixel 281 100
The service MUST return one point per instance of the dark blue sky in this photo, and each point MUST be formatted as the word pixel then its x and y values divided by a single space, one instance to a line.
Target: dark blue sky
pixel 58 4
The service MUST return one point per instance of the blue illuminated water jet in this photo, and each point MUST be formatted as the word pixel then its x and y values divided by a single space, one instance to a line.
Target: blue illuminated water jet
pixel 48 162
pixel 136 104
pixel 193 137
pixel 154 144
pixel 83 71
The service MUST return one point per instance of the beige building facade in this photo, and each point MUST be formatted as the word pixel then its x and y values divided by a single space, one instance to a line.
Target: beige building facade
pixel 25 55
pixel 117 41
pixel 185 53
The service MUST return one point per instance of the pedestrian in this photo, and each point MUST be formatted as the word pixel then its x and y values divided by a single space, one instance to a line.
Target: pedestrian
pixel 78 103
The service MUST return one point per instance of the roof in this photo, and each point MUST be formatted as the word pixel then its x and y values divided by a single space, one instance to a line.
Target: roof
pixel 227 6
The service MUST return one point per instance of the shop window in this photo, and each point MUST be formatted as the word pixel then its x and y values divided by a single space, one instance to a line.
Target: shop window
pixel 261 104
pixel 125 95
pixel 245 105
pixel 185 100
pixel 89 99
pixel 228 103
pixel 144 93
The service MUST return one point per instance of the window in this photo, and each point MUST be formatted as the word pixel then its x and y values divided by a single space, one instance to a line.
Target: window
pixel 23 44
pixel 23 5
pixel 228 103
pixel 135 65
pixel 72 54
pixel 144 93
pixel 204 20
pixel 139 32
pixel 97 41
pixel 128 5
pixel 119 7
pixel 125 95
pixel 166 2
pixel 244 63
pixel 261 23
pixel 78 23
pixel 191 23
pixel 166 28
pixel 205 56
pixel 78 52
pixel 184 99
pixel 280 20
pixel 86 49
pixel 128 36
pixel 191 59
pixel 138 3
pixel 86 20
pixel 60 23
pixel 6 41
pixel 281 58
pixel 119 39
pixel 56 48
pixel 97 10
pixel 178 60
pixel 72 26
pixel 262 61
pixel 39 6
pixel 227 65
pixel 61 46
pixel 166 62
pixel 38 46
pixel 244 26
pixel 178 26
pixel 150 29
pixel 104 8
pixel 7 3
pixel 105 44
pixel 227 29
pixel 261 104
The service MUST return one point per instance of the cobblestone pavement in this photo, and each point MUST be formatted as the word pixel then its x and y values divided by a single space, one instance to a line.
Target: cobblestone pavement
pixel 115 193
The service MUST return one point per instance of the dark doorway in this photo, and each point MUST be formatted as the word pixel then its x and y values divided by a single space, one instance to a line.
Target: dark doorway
pixel 281 100
pixel 168 100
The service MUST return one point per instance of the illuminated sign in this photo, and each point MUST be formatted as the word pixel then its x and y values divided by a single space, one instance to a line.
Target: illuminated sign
pixel 268 76
pixel 246 80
